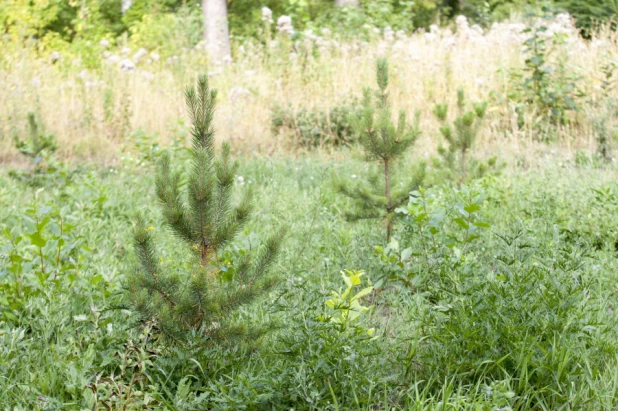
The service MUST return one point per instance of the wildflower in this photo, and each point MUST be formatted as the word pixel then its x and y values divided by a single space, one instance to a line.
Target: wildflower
pixel 155 56
pixel 141 53
pixel 150 228
pixel 104 43
pixel 284 25
pixel 195 247
pixel 126 65
pixel 267 15
pixel 55 56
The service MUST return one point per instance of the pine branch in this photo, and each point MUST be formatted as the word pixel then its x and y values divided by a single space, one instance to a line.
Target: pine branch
pixel 168 192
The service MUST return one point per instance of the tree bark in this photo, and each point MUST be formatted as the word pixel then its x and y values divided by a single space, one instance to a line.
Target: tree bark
pixel 347 3
pixel 216 31
pixel 389 206
pixel 125 5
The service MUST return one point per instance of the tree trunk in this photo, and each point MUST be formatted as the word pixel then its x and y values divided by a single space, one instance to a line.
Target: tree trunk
pixel 389 206
pixel 125 5
pixel 347 3
pixel 216 32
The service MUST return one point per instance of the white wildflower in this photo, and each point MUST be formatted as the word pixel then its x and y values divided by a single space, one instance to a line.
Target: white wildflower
pixel 104 43
pixel 126 65
pixel 284 25
pixel 141 53
pixel 267 15
pixel 55 56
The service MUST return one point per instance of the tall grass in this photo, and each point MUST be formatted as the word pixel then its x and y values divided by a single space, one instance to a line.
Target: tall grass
pixel 93 110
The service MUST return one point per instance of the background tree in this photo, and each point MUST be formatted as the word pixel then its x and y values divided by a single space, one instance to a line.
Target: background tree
pixel 462 134
pixel 198 299
pixel 216 29
pixel 347 3
pixel 383 142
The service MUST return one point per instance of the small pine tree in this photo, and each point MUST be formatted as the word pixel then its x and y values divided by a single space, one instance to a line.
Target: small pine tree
pixel 461 136
pixel 383 142
pixel 38 144
pixel 199 299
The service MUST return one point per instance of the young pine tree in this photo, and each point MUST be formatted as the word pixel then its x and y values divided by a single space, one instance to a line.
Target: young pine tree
pixel 461 136
pixel 383 142
pixel 198 299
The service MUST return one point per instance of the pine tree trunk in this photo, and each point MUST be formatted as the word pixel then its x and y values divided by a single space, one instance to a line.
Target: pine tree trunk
pixel 216 31
pixel 347 3
pixel 387 184
pixel 463 165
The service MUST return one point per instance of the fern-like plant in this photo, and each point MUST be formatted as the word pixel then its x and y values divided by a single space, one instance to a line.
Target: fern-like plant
pixel 383 142
pixel 198 300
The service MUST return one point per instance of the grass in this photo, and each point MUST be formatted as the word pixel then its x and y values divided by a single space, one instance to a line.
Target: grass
pixel 464 337
pixel 495 295
pixel 91 109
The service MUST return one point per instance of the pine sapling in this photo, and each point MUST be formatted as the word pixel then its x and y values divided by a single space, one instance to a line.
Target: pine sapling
pixel 38 145
pixel 383 142
pixel 198 300
pixel 461 135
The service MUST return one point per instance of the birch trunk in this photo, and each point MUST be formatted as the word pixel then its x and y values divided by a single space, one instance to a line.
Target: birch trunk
pixel 216 32
pixel 347 3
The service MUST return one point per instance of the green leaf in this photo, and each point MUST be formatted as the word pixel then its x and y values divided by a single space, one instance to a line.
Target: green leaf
pixel 482 224
pixel 362 293
pixel 462 223
pixel 471 208
pixel 405 254
pixel 37 239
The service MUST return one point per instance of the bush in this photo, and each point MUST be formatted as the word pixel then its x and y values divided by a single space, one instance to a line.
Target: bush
pixel 311 128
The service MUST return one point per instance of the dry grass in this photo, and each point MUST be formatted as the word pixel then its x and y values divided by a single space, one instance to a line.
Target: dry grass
pixel 93 111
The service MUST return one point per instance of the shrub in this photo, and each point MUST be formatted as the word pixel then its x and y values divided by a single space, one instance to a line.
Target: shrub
pixel 315 128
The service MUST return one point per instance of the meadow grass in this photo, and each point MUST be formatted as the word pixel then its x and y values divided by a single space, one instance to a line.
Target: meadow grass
pixel 71 338
pixel 92 105
pixel 497 294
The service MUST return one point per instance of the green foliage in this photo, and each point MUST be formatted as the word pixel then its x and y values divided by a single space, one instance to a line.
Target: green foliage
pixel 524 318
pixel 434 234
pixel 460 137
pixel 39 259
pixel 39 147
pixel 198 297
pixel 383 142
pixel 589 14
pixel 604 112
pixel 545 83
pixel 38 144
pixel 316 128
pixel 466 323
pixel 348 303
